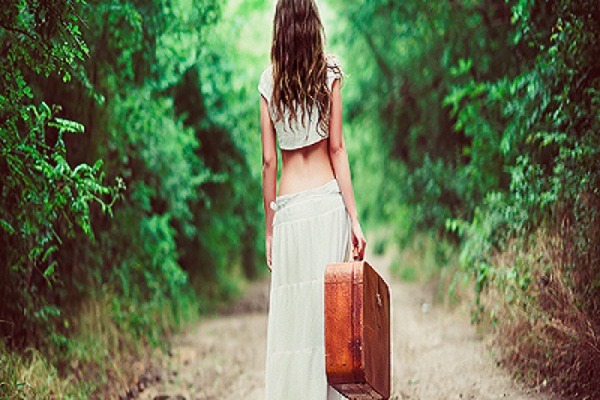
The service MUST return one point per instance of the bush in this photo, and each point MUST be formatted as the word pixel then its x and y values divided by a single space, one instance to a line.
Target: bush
pixel 537 243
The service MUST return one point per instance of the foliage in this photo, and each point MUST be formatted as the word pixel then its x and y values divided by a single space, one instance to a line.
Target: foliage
pixel 147 86
pixel 468 123
pixel 488 116
pixel 43 199
pixel 418 52
pixel 552 141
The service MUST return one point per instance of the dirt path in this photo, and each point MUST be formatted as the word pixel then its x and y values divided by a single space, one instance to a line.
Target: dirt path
pixel 437 354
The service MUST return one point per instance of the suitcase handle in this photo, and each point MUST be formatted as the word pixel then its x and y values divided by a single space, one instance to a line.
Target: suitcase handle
pixel 355 256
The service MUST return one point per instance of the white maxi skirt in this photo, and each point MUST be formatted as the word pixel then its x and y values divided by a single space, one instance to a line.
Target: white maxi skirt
pixel 310 230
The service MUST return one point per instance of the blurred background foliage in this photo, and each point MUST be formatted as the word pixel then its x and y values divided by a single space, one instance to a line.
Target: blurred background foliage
pixel 130 170
pixel 481 136
pixel 125 181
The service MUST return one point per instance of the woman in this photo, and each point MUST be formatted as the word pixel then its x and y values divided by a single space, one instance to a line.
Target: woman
pixel 313 221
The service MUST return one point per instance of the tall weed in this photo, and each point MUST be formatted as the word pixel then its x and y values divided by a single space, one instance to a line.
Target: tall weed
pixel 544 317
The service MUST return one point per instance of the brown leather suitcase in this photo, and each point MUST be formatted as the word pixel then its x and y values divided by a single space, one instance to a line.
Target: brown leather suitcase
pixel 357 331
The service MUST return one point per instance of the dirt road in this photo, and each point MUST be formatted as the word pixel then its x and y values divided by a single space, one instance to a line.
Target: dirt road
pixel 437 353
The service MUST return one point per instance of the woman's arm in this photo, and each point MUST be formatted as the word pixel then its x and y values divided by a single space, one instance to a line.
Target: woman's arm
pixel 341 168
pixel 269 172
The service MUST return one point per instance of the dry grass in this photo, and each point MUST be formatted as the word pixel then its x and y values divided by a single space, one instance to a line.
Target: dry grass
pixel 103 355
pixel 101 361
pixel 546 324
pixel 30 376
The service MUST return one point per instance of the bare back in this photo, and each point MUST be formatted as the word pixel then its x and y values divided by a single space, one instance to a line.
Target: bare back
pixel 305 168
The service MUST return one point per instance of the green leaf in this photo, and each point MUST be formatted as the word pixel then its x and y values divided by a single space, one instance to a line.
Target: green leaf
pixel 66 125
pixel 49 252
pixel 50 270
pixel 7 227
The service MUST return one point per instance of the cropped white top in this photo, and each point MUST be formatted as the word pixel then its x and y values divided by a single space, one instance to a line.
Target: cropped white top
pixel 303 131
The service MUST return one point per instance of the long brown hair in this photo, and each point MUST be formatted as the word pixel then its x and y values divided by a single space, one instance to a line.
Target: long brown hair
pixel 299 61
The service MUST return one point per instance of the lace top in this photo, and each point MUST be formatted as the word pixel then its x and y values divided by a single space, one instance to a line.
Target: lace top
pixel 303 131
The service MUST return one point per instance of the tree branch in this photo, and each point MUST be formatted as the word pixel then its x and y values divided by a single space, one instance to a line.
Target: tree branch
pixel 22 32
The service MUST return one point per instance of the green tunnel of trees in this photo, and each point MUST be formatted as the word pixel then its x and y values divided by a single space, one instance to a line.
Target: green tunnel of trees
pixel 130 158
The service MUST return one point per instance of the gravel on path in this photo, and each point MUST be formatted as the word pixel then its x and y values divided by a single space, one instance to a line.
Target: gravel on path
pixel 437 353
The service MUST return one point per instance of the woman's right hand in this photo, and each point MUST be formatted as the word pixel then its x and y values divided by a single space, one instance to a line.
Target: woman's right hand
pixel 359 243
pixel 269 244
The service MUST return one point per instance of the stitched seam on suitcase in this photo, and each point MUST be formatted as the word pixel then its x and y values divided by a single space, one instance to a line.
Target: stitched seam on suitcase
pixel 355 340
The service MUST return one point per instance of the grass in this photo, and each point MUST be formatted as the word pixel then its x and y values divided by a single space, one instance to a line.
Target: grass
pixel 538 305
pixel 29 375
pixel 542 305
pixel 426 258
pixel 102 358
pixel 110 343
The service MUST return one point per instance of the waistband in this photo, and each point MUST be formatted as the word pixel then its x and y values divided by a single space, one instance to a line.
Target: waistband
pixel 331 187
